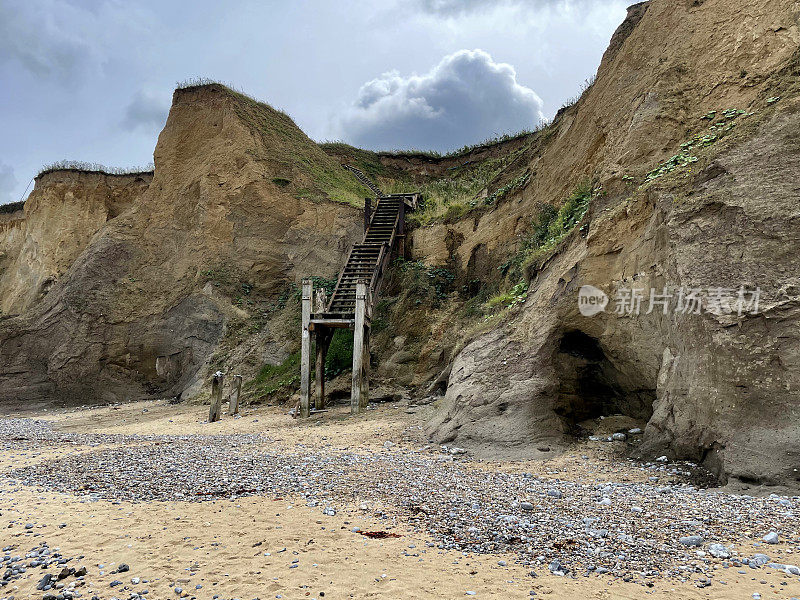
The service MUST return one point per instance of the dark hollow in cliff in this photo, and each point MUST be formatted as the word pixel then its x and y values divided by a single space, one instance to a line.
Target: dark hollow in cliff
pixel 591 386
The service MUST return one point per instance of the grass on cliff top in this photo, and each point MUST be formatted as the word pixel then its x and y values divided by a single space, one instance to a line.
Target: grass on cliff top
pixel 343 147
pixel 12 207
pixel 88 167
pixel 467 187
pixel 469 184
pixel 302 167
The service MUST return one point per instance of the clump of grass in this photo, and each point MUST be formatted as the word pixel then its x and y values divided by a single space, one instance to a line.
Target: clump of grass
pixel 272 379
pixel 510 298
pixel 340 353
pixel 548 228
pixel 449 198
pixel 516 184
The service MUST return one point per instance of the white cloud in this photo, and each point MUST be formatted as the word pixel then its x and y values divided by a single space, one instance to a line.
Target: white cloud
pixel 467 97
pixel 7 184
pixel 147 111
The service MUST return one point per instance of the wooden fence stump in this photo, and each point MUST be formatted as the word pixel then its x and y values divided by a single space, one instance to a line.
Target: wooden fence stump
pixel 357 396
pixel 305 350
pixel 216 397
pixel 233 406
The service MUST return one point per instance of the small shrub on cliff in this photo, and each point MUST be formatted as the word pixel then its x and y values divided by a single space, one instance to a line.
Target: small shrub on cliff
pixel 425 284
pixel 548 228
pixel 516 184
pixel 464 188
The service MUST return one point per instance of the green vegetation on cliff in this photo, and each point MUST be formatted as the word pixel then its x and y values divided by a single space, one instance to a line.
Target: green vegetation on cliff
pixel 299 164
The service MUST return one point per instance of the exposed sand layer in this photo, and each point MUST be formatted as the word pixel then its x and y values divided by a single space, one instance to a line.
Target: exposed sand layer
pixel 234 548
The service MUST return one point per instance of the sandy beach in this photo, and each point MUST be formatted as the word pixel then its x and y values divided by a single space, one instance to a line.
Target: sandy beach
pixel 270 546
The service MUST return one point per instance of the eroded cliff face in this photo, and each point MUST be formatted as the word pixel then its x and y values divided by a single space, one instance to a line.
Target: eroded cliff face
pixel 64 211
pixel 137 313
pixel 718 388
pixel 242 202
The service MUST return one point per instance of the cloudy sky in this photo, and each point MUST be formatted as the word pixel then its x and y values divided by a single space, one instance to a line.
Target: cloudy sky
pixel 91 80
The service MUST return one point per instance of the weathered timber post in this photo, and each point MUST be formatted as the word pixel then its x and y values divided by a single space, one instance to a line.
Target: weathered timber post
pixel 365 369
pixel 357 389
pixel 367 212
pixel 320 300
pixel 216 397
pixel 233 406
pixel 305 350
pixel 323 337
pixel 401 230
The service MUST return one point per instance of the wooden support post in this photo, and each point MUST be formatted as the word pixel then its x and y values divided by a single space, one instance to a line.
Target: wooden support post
pixel 367 212
pixel 233 406
pixel 401 231
pixel 365 369
pixel 356 390
pixel 323 336
pixel 305 350
pixel 320 301
pixel 216 397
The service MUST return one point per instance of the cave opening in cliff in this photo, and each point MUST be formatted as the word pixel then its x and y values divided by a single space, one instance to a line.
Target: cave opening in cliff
pixel 591 386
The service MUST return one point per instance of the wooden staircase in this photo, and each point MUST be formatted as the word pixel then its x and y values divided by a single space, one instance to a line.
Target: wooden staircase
pixel 368 259
pixel 365 180
pixel 356 293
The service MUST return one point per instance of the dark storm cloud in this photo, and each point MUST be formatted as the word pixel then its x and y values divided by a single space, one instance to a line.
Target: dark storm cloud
pixel 467 97
pixel 146 111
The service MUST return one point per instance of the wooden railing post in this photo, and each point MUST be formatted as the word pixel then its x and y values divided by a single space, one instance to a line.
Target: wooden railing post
pixel 357 400
pixel 367 213
pixel 233 407
pixel 401 230
pixel 305 349
pixel 216 397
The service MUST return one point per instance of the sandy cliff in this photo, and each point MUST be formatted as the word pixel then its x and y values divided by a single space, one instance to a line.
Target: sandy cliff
pixel 64 211
pixel 239 194
pixel 689 139
pixel 718 388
